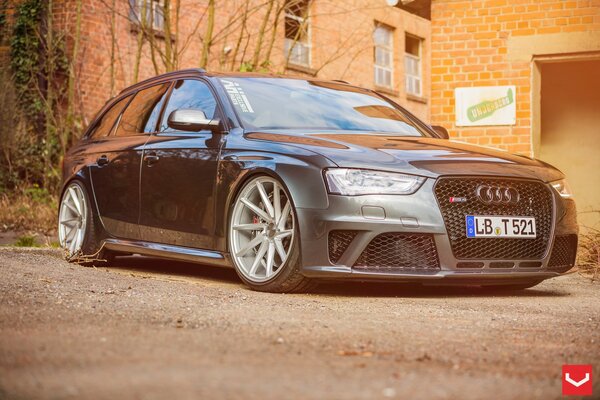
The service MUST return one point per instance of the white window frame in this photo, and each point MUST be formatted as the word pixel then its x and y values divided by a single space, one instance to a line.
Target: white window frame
pixel 386 48
pixel 297 50
pixel 414 81
pixel 156 16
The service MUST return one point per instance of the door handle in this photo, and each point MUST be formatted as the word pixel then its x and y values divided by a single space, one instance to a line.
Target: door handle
pixel 151 158
pixel 102 160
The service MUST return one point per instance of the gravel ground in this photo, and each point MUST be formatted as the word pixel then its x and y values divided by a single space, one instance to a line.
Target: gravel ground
pixel 153 329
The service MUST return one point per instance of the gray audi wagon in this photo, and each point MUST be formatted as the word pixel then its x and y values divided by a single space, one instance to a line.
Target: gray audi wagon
pixel 292 180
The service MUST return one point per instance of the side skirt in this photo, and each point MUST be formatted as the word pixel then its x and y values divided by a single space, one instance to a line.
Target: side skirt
pixel 188 254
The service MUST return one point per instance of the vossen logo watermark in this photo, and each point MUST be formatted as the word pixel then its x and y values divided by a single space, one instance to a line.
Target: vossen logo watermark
pixel 577 380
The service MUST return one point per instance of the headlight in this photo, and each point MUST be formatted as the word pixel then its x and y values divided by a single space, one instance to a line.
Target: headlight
pixel 353 182
pixel 563 188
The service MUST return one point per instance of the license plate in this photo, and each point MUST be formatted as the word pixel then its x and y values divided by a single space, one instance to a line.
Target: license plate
pixel 500 227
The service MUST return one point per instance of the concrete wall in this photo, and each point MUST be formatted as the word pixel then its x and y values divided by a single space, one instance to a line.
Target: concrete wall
pixel 570 129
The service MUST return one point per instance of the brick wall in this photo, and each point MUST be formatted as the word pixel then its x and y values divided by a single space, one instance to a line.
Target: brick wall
pixel 471 46
pixel 342 45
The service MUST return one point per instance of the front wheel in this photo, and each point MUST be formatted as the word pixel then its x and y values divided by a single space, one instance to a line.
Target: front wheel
pixel 263 238
pixel 76 231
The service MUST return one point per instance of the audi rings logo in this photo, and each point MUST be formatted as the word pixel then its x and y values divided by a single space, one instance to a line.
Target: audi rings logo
pixel 497 194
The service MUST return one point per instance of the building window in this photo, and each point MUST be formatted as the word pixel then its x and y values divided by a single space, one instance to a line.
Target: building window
pixel 412 65
pixel 384 55
pixel 297 32
pixel 151 12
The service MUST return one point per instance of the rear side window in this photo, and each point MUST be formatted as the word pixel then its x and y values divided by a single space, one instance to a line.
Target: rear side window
pixel 106 123
pixel 190 94
pixel 143 112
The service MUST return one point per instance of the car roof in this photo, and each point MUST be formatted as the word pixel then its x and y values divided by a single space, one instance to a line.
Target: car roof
pixel 200 71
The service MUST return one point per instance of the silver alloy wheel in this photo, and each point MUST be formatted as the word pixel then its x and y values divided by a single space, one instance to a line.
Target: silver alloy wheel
pixel 72 219
pixel 261 231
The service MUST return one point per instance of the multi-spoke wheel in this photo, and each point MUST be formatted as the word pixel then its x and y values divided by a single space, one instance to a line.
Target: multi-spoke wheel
pixel 263 237
pixel 76 226
pixel 72 219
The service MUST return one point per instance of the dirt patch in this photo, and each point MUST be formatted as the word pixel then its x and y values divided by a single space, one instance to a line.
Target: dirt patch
pixel 154 329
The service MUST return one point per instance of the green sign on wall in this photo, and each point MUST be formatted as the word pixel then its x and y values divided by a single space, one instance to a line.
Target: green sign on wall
pixel 485 105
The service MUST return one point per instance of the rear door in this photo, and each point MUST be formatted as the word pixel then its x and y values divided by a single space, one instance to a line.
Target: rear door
pixel 179 174
pixel 116 176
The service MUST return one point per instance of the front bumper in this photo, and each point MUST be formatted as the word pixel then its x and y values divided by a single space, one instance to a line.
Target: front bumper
pixel 418 214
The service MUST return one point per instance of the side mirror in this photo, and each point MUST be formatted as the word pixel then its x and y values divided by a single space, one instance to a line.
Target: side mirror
pixel 441 131
pixel 191 120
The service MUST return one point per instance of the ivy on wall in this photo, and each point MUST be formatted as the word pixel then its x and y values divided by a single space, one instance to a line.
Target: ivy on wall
pixel 25 48
pixel 3 7
pixel 38 70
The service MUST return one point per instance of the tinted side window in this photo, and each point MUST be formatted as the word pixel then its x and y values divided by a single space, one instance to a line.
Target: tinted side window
pixel 143 112
pixel 189 94
pixel 105 125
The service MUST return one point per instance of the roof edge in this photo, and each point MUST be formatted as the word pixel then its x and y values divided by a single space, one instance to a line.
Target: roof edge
pixel 165 75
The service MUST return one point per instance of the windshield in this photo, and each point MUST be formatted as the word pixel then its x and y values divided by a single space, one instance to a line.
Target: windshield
pixel 276 103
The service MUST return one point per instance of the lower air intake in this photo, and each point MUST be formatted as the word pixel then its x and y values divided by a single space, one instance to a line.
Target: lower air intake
pixel 339 241
pixel 563 254
pixel 399 252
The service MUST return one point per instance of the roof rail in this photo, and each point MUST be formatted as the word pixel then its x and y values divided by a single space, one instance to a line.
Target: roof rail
pixel 167 74
pixel 341 81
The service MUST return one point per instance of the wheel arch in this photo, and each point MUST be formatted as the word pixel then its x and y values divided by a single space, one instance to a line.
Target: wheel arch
pixel 243 180
pixel 79 177
pixel 293 259
pixel 302 182
pixel 83 177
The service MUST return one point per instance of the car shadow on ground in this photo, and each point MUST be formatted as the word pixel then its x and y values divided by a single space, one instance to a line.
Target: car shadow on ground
pixel 205 273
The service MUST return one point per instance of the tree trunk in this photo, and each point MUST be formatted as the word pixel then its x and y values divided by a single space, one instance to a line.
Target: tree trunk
pixel 208 35
pixel 261 35
pixel 71 82
pixel 113 39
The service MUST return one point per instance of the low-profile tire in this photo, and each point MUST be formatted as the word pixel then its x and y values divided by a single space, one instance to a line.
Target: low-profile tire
pixel 512 287
pixel 76 228
pixel 264 240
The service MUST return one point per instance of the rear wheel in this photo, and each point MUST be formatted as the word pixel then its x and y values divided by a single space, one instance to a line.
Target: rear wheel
pixel 76 230
pixel 263 238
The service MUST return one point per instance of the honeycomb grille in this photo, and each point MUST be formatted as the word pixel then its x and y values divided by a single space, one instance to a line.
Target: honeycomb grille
pixel 399 252
pixel 563 254
pixel 535 201
pixel 338 244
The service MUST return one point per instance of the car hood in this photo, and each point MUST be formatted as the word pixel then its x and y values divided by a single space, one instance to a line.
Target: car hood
pixel 428 157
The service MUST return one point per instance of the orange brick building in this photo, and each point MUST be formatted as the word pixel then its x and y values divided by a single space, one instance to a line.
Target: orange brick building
pixel 329 39
pixel 528 71
pixel 502 42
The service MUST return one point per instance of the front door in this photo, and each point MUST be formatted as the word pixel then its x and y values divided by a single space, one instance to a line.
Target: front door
pixel 179 173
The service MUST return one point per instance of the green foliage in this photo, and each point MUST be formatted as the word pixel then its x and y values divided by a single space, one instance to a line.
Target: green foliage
pixel 4 23
pixel 3 6
pixel 34 128
pixel 26 241
pixel 25 55
pixel 39 195
pixel 247 66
